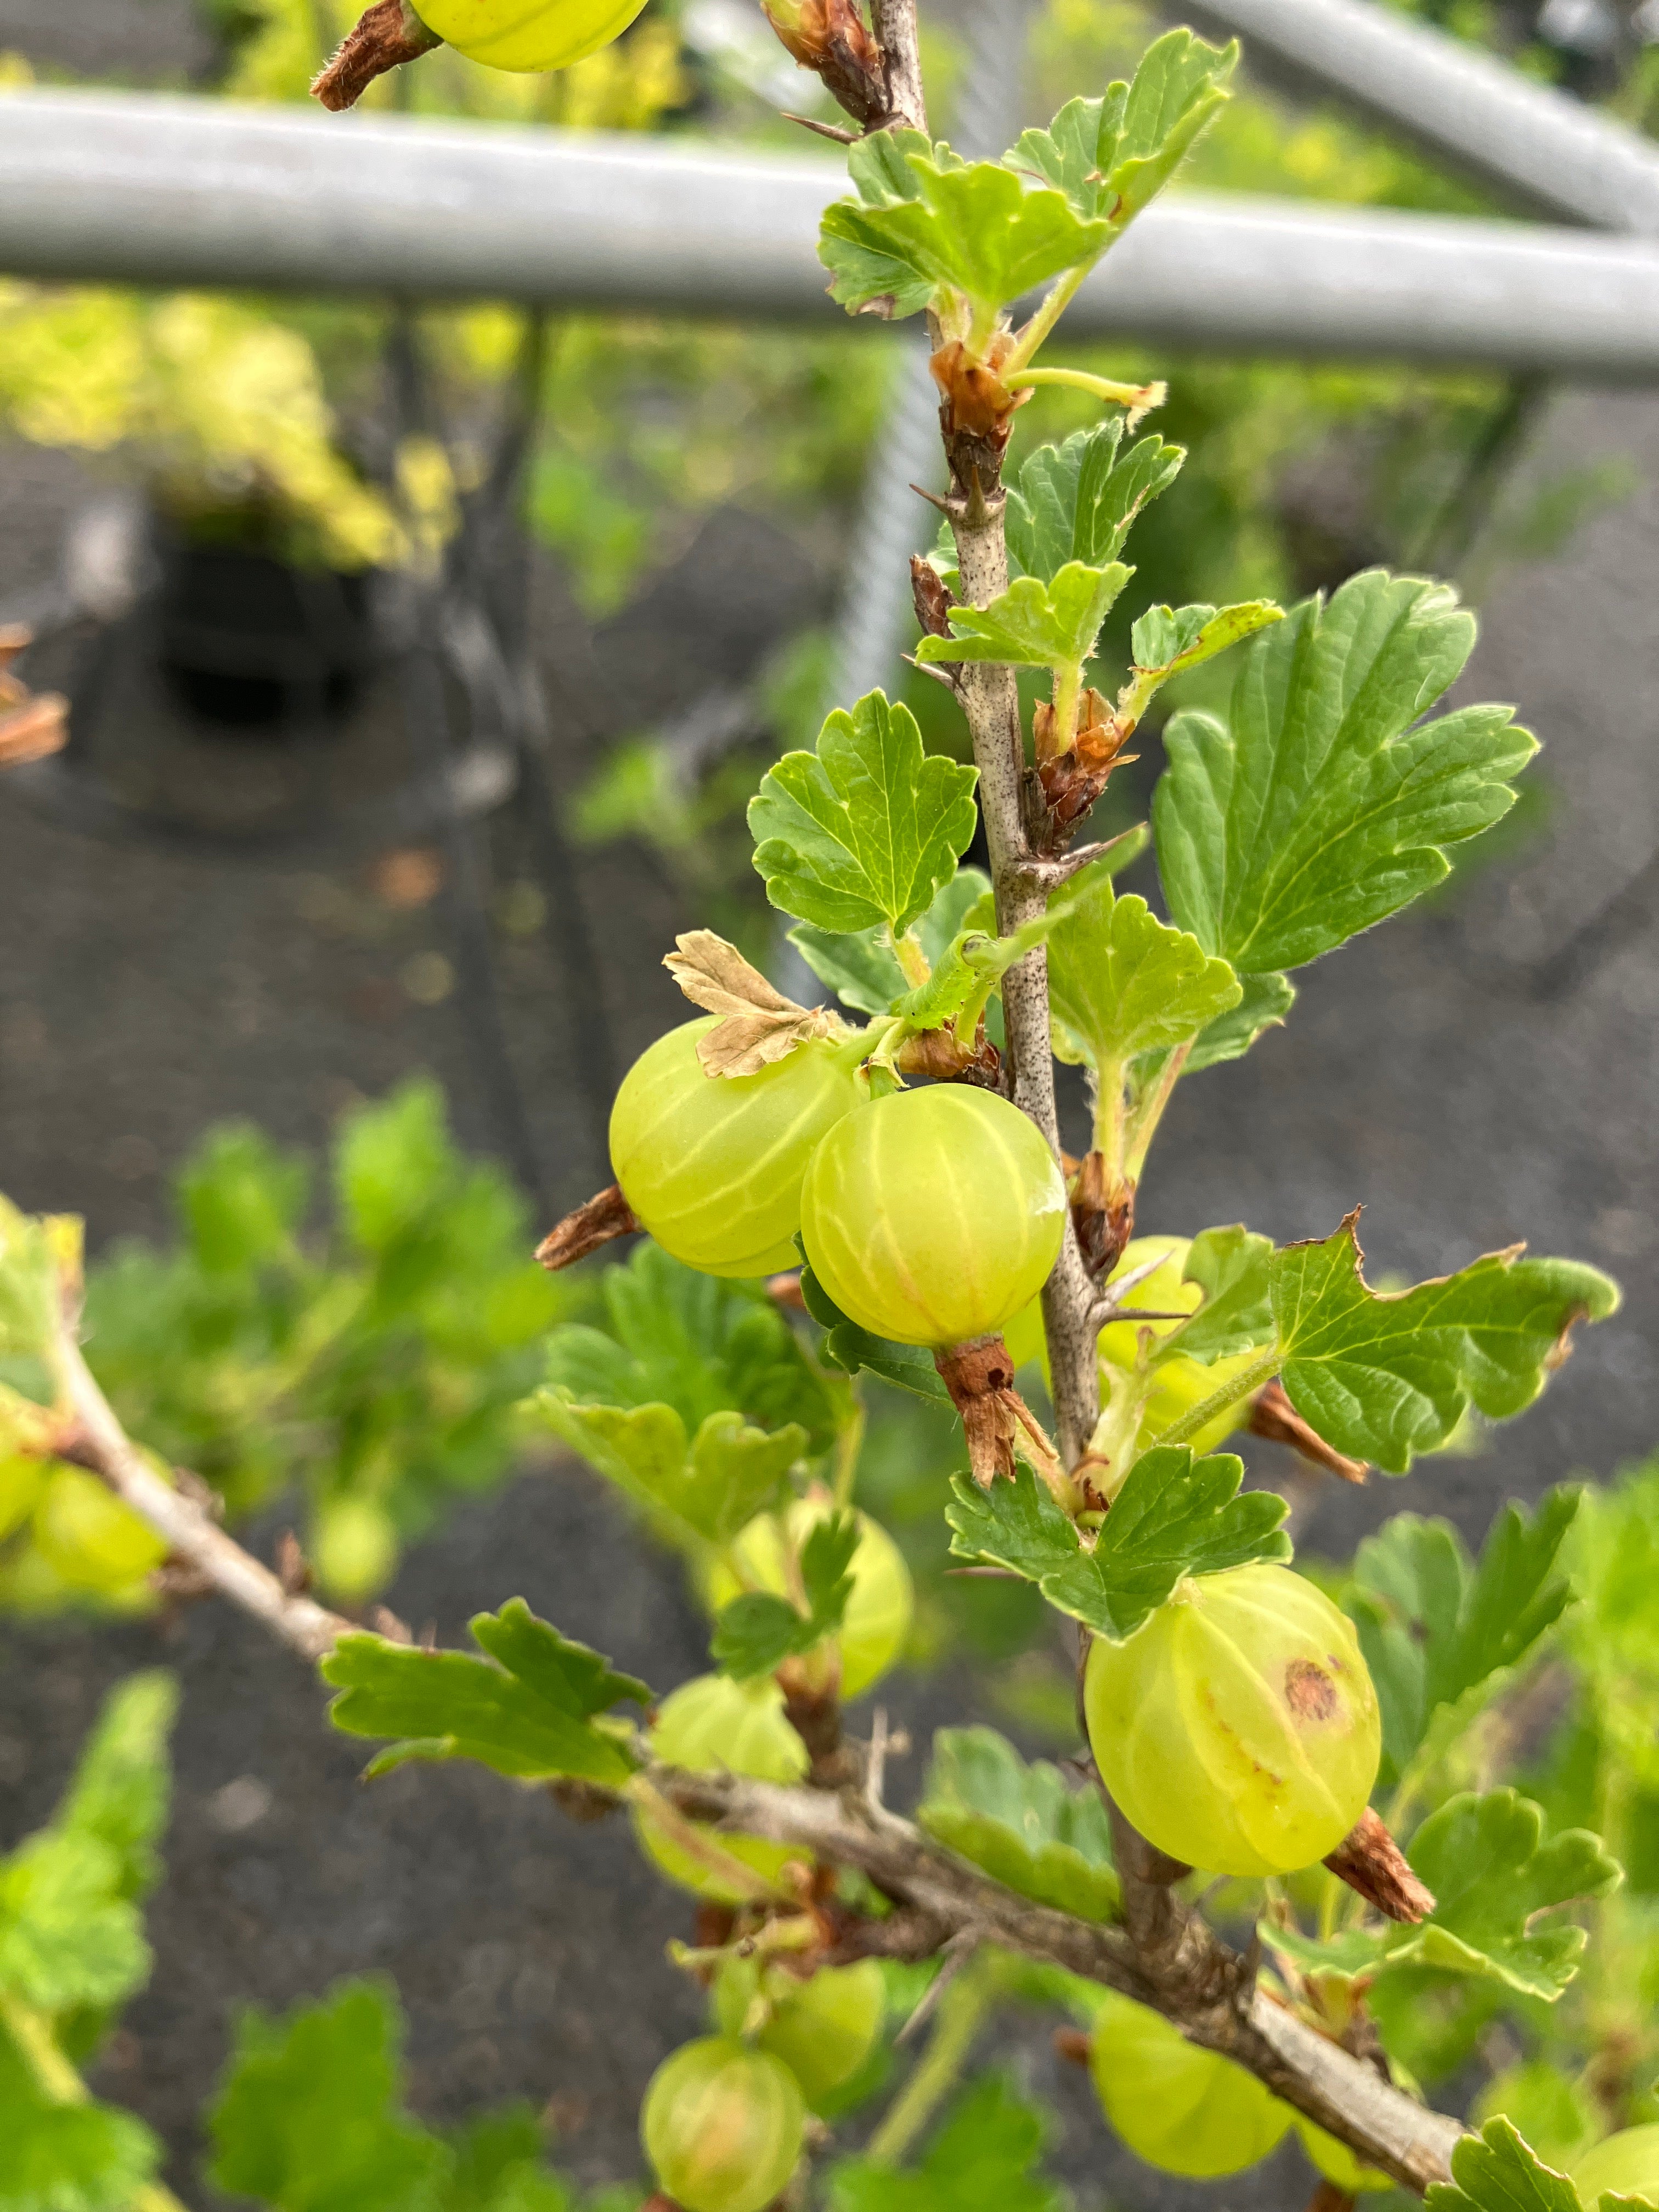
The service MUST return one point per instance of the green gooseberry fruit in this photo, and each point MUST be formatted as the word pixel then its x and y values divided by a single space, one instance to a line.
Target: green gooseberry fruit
pixel 722 2125
pixel 1624 2164
pixel 523 35
pixel 711 1723
pixel 823 2029
pixel 90 1538
pixel 22 1478
pixel 353 1547
pixel 1187 2110
pixel 932 1217
pixel 1180 1384
pixel 1237 1728
pixel 879 1610
pixel 711 1164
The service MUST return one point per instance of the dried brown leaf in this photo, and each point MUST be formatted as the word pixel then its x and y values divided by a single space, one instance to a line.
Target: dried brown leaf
pixel 758 1025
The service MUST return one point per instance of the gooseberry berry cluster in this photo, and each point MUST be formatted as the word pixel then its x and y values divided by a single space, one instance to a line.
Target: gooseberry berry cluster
pixel 826 1198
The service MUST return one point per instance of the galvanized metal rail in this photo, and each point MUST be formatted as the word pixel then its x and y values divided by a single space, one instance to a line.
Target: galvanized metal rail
pixel 138 189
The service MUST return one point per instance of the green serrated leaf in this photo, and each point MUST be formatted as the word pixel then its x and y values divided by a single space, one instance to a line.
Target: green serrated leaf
pixel 1265 1001
pixel 1493 1877
pixel 1497 2172
pixel 120 1789
pixel 1078 501
pixel 66 2157
pixel 674 1337
pixel 1124 983
pixel 865 831
pixel 1385 1376
pixel 1167 641
pixel 1034 625
pixel 67 1937
pixel 974 229
pixel 1230 1266
pixel 1025 1824
pixel 498 2166
pixel 528 1709
pixel 961 985
pixel 863 970
pixel 1112 156
pixel 756 1633
pixel 1441 1636
pixel 1322 806
pixel 311 2116
pixel 910 1366
pixel 1174 1516
pixel 981 2159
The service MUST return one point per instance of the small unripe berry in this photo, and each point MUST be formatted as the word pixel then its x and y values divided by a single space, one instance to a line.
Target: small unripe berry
pixel 932 1217
pixel 1237 1728
pixel 1187 2110
pixel 711 1164
pixel 713 1724
pixel 722 2126
pixel 354 1548
pixel 1624 2165
pixel 823 2029
pixel 878 1611
pixel 90 1538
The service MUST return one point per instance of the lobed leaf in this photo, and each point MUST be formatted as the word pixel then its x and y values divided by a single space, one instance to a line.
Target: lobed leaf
pixel 1441 1636
pixel 68 1936
pixel 1497 2172
pixel 120 1789
pixel 1078 502
pixel 863 970
pixel 1110 156
pixel 757 1631
pixel 1321 805
pixel 1166 642
pixel 1032 624
pixel 972 228
pixel 311 2117
pixel 1121 981
pixel 1025 1824
pixel 1231 1266
pixel 980 2159
pixel 865 831
pixel 1174 1515
pixel 1383 1375
pixel 67 2158
pixel 529 1708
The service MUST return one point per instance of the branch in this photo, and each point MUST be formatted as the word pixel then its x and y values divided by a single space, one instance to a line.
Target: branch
pixel 98 1442
pixel 1210 1999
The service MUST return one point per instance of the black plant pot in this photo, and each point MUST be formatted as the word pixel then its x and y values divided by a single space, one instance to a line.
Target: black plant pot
pixel 253 643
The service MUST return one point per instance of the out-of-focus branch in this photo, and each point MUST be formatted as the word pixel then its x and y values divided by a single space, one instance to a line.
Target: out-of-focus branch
pixel 97 1441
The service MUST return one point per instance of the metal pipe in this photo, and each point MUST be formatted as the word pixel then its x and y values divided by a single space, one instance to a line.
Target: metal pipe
pixel 134 189
pixel 1543 150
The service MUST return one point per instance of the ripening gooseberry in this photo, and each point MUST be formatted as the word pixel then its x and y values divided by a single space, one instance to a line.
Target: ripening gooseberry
pixel 932 1217
pixel 1179 1385
pixel 878 1611
pixel 89 1537
pixel 528 34
pixel 722 2125
pixel 353 1547
pixel 1187 2111
pixel 711 1723
pixel 1626 2164
pixel 1237 1728
pixel 711 1164
pixel 823 2029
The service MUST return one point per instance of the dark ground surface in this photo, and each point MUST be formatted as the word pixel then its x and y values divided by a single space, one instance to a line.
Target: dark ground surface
pixel 145 992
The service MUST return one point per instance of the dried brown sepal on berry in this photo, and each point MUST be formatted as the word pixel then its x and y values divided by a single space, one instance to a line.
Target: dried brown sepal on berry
pixel 980 1377
pixel 384 37
pixel 1370 1862
pixel 596 1222
pixel 1272 1416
